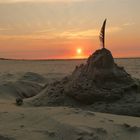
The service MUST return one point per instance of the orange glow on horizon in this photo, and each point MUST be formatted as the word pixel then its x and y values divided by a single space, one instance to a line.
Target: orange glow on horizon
pixel 64 49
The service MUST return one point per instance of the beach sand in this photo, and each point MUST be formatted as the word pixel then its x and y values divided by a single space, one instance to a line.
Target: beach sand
pixel 56 123
pixel 62 123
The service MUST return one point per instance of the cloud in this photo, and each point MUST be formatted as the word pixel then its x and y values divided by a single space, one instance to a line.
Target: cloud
pixel 79 34
pixel 55 34
pixel 90 33
pixel 5 29
pixel 114 29
pixel 17 1
pixel 128 24
pixel 14 1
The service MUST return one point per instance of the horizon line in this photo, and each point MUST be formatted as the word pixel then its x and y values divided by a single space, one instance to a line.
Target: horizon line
pixel 62 59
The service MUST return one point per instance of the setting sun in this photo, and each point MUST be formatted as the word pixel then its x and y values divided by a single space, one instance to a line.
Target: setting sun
pixel 79 51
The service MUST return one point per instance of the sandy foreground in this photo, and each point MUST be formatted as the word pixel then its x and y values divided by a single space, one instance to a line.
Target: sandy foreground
pixel 62 123
pixel 54 123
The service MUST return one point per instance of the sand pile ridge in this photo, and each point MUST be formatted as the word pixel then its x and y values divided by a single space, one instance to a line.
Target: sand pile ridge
pixel 100 79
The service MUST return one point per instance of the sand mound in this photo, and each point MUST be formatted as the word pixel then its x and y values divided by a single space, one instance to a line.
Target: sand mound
pixel 26 86
pixel 33 77
pixel 6 138
pixel 100 79
pixel 97 83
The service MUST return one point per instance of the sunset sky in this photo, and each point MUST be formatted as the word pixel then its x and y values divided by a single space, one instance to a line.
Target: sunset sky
pixel 47 29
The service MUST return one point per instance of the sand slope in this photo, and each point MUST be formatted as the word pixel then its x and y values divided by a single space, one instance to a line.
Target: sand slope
pixel 24 86
pixel 61 123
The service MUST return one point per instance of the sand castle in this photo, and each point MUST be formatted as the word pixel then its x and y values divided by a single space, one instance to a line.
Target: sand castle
pixel 100 80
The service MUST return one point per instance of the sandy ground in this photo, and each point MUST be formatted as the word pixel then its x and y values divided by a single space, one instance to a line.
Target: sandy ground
pixel 56 123
pixel 61 123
